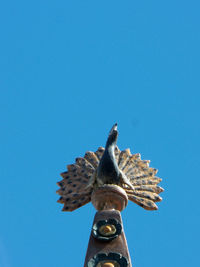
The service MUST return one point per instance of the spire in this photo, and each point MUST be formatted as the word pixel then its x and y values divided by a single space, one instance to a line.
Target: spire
pixel 109 178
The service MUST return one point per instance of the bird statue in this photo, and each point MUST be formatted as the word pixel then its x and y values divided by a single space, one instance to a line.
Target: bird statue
pixel 109 165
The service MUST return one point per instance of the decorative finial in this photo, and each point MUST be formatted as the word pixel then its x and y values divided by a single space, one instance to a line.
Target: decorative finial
pixel 108 178
pixel 109 166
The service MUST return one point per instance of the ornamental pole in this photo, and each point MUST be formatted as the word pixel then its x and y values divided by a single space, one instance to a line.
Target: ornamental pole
pixel 107 245
pixel 109 178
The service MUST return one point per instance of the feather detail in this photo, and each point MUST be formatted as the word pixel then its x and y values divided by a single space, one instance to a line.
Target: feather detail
pixel 150 188
pixel 142 177
pixel 144 203
pixel 83 163
pixel 92 159
pixel 77 185
pixel 99 152
pixel 73 188
pixel 123 158
pixel 145 194
pixel 146 181
pixel 144 164
pixel 143 173
pixel 73 202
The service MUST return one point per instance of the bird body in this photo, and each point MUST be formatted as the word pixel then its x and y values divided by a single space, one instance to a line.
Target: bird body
pixel 107 170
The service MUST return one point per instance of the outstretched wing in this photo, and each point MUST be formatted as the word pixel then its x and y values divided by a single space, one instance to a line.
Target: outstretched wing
pixel 74 190
pixel 143 179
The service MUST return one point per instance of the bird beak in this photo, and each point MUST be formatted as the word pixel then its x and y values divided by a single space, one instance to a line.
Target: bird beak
pixel 114 128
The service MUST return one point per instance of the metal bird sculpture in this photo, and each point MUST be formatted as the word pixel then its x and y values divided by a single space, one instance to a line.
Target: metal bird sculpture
pixel 109 166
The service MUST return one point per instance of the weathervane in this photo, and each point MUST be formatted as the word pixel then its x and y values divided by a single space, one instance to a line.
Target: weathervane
pixel 108 178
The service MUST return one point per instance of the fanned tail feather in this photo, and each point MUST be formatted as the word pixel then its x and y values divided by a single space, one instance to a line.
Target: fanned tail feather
pixel 145 194
pixel 151 188
pixel 77 184
pixel 145 189
pixel 99 152
pixel 144 203
pixel 73 188
pixel 146 181
pixel 72 202
pixel 123 158
pixel 87 166
pixel 92 158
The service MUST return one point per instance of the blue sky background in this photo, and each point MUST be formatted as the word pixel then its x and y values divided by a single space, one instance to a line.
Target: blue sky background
pixel 68 71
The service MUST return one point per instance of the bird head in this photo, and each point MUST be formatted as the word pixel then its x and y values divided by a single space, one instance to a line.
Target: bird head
pixel 112 137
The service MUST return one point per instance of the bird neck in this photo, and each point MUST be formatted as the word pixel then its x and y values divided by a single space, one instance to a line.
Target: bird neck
pixel 110 148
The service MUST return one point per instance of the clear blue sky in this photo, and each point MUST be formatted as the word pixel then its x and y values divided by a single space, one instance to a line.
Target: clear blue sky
pixel 68 71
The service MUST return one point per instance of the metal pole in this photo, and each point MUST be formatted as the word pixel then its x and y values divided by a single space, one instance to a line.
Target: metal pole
pixel 107 245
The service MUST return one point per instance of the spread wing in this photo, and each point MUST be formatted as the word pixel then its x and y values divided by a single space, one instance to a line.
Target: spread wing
pixel 74 190
pixel 143 179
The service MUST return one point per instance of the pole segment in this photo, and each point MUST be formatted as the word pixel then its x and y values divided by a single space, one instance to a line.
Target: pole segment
pixel 107 244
